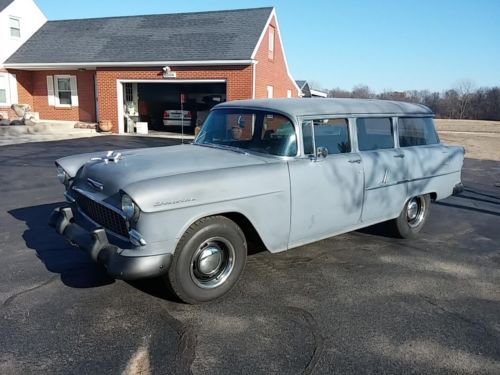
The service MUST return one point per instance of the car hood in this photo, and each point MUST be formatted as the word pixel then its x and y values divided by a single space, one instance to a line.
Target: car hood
pixel 146 164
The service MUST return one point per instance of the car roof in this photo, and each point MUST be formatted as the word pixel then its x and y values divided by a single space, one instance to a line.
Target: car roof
pixel 299 107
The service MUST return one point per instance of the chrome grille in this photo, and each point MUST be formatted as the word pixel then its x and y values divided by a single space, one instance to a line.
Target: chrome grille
pixel 102 215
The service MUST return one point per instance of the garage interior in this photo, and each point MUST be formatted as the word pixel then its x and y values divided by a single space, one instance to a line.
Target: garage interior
pixel 146 102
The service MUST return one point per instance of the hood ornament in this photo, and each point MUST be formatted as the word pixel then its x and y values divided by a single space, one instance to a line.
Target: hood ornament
pixel 110 157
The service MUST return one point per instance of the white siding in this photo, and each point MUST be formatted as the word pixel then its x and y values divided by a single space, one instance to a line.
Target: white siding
pixel 30 18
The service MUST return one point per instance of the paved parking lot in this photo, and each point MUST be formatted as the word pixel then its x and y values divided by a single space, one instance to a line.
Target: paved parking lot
pixel 357 303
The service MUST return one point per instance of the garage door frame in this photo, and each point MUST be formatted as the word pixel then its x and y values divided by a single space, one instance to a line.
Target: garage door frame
pixel 119 92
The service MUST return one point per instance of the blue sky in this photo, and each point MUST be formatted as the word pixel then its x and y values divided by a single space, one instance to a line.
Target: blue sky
pixel 385 44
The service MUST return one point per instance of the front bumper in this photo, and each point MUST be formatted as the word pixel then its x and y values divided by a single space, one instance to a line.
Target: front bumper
pixel 96 244
pixel 179 122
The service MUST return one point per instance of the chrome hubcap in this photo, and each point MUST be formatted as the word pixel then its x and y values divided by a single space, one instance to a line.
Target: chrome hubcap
pixel 210 260
pixel 412 209
pixel 212 263
pixel 415 210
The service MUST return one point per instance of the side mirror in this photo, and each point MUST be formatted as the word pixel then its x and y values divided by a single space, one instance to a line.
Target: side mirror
pixel 321 152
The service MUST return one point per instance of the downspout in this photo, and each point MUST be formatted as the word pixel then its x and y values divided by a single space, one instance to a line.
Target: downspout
pixel 254 64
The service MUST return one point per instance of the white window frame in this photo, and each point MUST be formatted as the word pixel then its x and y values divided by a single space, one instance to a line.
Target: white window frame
pixel 3 77
pixel 288 93
pixel 73 91
pixel 270 91
pixel 14 18
pixel 11 95
pixel 272 42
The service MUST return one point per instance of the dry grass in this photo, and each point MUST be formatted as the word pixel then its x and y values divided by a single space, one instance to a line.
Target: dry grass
pixel 481 139
pixel 468 126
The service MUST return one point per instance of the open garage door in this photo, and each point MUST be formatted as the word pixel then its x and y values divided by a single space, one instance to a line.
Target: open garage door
pixel 169 106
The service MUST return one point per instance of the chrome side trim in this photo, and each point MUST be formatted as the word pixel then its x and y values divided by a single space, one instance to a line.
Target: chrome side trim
pixel 136 238
pixel 69 198
pixel 95 184
pixel 407 181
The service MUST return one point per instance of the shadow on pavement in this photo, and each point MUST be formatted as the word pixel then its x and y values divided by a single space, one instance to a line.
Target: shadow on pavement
pixel 76 268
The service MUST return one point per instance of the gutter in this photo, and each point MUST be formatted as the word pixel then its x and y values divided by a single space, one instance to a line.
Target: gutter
pixel 90 65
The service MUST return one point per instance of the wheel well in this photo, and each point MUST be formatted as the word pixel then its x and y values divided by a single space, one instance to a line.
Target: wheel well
pixel 254 241
pixel 433 196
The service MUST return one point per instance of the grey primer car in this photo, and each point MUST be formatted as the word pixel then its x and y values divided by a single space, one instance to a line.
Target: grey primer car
pixel 280 173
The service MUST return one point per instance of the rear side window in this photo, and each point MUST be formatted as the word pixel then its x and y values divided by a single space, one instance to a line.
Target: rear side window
pixel 414 131
pixel 374 133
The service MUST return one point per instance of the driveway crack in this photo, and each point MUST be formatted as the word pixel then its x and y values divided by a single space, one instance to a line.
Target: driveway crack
pixel 459 316
pixel 9 300
pixel 185 351
pixel 318 338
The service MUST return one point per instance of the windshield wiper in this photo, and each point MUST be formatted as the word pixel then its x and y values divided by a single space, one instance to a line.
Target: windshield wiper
pixel 223 147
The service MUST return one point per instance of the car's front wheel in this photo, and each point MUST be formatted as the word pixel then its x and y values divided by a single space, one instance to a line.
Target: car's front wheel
pixel 208 261
pixel 412 218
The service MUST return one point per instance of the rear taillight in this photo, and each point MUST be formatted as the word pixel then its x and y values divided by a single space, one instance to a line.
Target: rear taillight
pixel 189 114
pixel 165 114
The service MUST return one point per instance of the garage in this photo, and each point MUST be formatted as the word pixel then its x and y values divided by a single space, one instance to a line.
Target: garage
pixel 173 106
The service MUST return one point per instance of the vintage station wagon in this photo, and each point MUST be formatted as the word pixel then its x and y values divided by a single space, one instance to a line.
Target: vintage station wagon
pixel 284 172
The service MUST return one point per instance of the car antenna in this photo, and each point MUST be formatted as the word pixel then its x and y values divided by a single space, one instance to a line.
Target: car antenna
pixel 182 117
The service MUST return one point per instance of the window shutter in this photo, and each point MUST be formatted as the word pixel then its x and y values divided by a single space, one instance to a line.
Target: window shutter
pixel 50 90
pixel 74 92
pixel 14 99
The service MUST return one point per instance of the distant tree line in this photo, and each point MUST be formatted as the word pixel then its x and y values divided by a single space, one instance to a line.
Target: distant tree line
pixel 461 102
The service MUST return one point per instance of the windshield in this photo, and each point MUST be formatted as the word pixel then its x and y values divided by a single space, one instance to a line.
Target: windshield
pixel 249 130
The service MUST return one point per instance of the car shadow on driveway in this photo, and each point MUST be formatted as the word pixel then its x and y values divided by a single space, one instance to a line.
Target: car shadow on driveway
pixel 76 268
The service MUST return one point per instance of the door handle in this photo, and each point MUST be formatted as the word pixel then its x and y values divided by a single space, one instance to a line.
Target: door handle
pixel 355 161
pixel 401 156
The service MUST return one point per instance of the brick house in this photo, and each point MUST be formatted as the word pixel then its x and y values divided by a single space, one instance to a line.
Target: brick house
pixel 135 67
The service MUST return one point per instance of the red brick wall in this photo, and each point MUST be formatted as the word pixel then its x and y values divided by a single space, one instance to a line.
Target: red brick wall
pixel 238 78
pixel 86 98
pixel 272 72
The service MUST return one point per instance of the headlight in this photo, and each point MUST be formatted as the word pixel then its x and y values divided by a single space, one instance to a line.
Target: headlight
pixel 62 176
pixel 129 208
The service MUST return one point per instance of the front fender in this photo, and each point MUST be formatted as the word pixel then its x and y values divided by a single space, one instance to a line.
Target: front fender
pixel 209 187
pixel 171 204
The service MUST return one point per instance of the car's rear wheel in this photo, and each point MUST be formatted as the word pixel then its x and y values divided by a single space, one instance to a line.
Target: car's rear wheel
pixel 412 217
pixel 208 261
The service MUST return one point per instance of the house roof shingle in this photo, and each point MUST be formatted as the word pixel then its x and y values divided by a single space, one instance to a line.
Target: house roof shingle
pixel 218 35
pixel 4 4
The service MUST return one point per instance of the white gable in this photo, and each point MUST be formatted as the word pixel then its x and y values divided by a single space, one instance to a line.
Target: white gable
pixel 18 22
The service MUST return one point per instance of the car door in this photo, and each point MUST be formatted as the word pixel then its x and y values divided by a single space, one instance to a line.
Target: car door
pixel 327 190
pixel 384 169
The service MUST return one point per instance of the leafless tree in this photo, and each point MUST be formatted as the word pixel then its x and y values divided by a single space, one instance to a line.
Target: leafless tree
pixel 361 92
pixel 339 93
pixel 464 90
pixel 461 102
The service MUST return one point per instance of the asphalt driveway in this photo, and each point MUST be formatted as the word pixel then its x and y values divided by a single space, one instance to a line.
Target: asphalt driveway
pixel 357 303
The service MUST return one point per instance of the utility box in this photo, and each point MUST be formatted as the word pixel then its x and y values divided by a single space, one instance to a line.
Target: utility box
pixel 141 127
